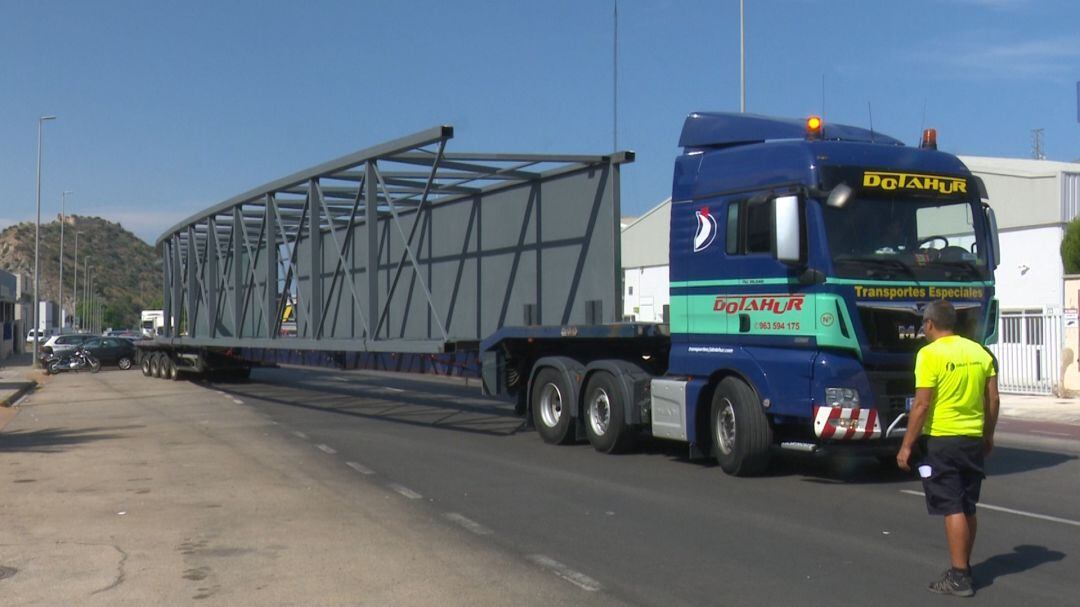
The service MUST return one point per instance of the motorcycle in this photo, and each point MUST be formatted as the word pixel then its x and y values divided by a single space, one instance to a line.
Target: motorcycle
pixel 75 360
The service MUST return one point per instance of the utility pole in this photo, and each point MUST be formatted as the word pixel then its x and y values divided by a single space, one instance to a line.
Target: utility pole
pixel 75 288
pixel 37 245
pixel 742 58
pixel 60 299
pixel 615 83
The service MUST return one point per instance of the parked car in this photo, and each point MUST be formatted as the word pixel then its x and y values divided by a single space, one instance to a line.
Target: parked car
pixel 31 335
pixel 112 351
pixel 62 343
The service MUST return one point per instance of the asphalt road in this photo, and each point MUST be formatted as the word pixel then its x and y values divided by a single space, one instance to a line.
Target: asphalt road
pixel 656 528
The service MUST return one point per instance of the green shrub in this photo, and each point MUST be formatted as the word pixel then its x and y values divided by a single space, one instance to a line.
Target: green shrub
pixel 1070 247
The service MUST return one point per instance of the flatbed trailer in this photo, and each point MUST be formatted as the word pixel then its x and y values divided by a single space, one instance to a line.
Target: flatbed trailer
pixel 801 258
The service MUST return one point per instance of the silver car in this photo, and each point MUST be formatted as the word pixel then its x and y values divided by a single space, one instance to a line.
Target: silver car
pixel 63 343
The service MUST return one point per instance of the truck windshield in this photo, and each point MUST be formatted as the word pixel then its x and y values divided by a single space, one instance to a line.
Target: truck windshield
pixel 907 239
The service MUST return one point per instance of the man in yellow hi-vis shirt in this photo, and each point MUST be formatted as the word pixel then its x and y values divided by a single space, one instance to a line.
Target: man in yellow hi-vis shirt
pixel 955 411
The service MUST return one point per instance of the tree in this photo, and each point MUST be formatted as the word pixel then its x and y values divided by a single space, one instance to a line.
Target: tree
pixel 1070 247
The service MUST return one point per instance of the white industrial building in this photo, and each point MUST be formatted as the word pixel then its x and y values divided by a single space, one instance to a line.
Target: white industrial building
pixel 1033 201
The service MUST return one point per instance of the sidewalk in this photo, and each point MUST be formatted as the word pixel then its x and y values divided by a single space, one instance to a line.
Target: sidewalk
pixel 1041 408
pixel 130 491
pixel 17 378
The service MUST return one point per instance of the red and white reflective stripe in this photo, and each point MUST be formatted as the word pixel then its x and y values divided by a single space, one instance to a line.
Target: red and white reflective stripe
pixel 858 423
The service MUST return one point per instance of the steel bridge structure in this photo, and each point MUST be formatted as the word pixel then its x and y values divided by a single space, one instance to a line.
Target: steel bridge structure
pixel 401 247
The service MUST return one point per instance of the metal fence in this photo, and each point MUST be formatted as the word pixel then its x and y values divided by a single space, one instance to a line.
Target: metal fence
pixel 1029 351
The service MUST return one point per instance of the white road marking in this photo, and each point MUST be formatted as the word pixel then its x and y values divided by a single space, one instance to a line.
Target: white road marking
pixel 1066 435
pixel 299 434
pixel 238 401
pixel 403 490
pixel 468 523
pixel 389 389
pixel 1044 517
pixel 326 449
pixel 574 577
pixel 362 469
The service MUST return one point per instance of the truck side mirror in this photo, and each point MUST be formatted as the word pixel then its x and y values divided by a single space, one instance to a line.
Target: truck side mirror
pixel 995 242
pixel 786 228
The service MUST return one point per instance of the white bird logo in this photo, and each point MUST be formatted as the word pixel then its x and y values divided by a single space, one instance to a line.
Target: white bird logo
pixel 706 230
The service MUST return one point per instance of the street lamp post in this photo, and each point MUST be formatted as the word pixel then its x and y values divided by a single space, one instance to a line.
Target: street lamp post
pixel 86 289
pixel 37 244
pixel 63 317
pixel 75 287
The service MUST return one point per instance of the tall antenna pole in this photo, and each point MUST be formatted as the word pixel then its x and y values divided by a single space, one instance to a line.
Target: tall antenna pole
pixel 615 82
pixel 742 59
pixel 1037 144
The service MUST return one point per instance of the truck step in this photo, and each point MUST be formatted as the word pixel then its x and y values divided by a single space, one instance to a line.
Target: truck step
pixel 803 447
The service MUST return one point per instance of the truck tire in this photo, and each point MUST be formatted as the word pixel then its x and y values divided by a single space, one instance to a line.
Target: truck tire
pixel 605 414
pixel 550 402
pixel 146 371
pixel 172 372
pixel 157 365
pixel 741 434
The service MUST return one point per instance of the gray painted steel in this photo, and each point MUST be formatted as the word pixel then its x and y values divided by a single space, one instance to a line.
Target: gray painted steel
pixel 460 245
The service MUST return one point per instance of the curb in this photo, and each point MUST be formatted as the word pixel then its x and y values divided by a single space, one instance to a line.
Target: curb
pixel 19 393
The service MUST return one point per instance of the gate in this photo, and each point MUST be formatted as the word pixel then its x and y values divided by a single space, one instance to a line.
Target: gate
pixel 1029 351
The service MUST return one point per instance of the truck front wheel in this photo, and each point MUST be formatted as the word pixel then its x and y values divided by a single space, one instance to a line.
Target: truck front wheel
pixel 551 400
pixel 740 431
pixel 605 414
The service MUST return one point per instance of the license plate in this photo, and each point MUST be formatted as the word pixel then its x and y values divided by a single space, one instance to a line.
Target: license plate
pixel 909 402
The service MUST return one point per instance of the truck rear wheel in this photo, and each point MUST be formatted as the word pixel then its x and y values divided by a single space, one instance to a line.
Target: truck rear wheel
pixel 157 365
pixel 550 401
pixel 605 414
pixel 740 431
pixel 171 370
pixel 146 370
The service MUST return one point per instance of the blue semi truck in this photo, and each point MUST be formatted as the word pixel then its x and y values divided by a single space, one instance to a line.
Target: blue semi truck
pixel 802 255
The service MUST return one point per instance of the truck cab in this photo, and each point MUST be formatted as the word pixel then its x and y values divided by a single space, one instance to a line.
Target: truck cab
pixel 802 257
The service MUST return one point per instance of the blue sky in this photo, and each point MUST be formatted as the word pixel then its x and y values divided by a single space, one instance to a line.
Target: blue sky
pixel 165 108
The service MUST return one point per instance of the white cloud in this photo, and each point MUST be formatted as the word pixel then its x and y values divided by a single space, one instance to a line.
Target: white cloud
pixel 988 57
pixel 147 225
pixel 995 4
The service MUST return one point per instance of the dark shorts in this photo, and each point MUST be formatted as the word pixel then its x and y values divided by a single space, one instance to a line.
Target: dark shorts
pixel 954 475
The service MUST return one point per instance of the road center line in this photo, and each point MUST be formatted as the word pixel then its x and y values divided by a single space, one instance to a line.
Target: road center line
pixel 326 449
pixel 403 490
pixel 299 434
pixel 362 469
pixel 1044 517
pixel 574 577
pixel 468 523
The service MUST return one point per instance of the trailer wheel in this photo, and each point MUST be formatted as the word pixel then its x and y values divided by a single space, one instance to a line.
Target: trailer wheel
pixel 605 414
pixel 171 370
pixel 146 370
pixel 550 407
pixel 740 431
pixel 157 365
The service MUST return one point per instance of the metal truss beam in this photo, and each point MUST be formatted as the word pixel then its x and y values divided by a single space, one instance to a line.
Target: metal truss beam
pixel 376 250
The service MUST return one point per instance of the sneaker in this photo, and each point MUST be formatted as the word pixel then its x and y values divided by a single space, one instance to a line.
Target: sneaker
pixel 954 582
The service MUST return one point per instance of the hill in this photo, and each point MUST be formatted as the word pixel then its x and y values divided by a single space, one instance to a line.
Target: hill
pixel 126 271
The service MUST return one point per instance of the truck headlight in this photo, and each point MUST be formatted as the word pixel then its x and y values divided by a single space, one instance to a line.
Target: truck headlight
pixel 842 397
